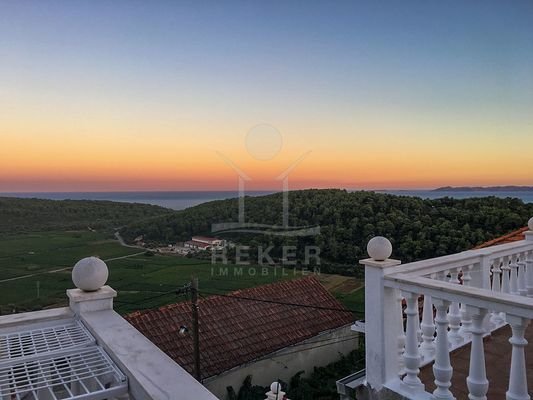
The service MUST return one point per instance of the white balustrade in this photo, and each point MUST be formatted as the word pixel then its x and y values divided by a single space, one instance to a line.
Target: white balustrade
pixel 427 348
pixel 477 382
pixel 401 334
pixel 529 273
pixel 522 290
pixel 466 321
pixel 514 275
pixel 411 355
pixel 506 280
pixel 454 315
pixel 518 374
pixel 497 318
pixel 496 275
pixel 442 368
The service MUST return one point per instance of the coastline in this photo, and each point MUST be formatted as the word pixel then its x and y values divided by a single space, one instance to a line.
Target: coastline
pixel 181 200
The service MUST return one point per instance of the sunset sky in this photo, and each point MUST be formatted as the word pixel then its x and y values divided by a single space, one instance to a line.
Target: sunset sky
pixel 159 95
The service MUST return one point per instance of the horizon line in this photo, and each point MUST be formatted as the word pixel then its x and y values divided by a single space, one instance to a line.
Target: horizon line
pixel 259 190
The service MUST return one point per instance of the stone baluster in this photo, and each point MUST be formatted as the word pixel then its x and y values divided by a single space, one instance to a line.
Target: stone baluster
pixel 529 273
pixel 412 355
pixel 428 330
pixel 514 275
pixel 496 275
pixel 477 382
pixel 522 289
pixel 454 314
pixel 442 368
pixel 482 279
pixel 506 281
pixel 401 335
pixel 466 321
pixel 518 375
pixel 496 318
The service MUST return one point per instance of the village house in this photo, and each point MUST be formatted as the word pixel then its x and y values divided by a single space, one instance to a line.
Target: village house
pixel 204 243
pixel 260 331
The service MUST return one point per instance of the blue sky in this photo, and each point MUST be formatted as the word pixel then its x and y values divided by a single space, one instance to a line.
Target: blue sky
pixel 314 69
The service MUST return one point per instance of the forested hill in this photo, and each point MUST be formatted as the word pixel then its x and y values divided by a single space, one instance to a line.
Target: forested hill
pixel 418 228
pixel 32 215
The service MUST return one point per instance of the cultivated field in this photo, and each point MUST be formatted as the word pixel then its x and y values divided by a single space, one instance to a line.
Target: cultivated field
pixel 35 271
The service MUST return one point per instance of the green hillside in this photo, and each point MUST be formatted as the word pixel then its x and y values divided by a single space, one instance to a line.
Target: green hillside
pixel 35 215
pixel 418 228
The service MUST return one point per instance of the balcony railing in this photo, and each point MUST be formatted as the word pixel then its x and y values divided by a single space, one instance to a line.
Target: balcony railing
pixel 449 302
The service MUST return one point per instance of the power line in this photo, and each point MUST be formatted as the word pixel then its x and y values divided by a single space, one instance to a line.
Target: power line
pixel 146 299
pixel 345 310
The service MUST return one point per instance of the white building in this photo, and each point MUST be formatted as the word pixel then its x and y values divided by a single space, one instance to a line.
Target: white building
pixel 204 243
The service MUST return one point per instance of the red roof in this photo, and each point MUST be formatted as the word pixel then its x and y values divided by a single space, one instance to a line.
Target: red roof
pixel 509 238
pixel 205 239
pixel 236 331
pixel 197 244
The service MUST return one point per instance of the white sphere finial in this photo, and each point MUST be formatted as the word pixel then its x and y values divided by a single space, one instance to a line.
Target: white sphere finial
pixel 379 248
pixel 275 387
pixel 530 224
pixel 90 274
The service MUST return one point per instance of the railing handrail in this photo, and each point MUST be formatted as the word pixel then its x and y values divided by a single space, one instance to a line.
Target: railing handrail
pixel 519 306
pixel 462 259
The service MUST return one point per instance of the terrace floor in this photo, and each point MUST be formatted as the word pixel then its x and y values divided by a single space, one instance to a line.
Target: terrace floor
pixel 497 360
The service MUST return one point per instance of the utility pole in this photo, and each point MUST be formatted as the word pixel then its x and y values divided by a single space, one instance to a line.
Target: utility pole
pixel 195 328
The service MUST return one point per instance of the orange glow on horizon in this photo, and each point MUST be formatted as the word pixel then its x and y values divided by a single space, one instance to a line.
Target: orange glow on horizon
pixel 52 154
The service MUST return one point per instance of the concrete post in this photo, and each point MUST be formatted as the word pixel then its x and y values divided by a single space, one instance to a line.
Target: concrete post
pixel 381 307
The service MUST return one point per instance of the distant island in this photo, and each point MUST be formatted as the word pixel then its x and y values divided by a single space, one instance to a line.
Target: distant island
pixel 485 189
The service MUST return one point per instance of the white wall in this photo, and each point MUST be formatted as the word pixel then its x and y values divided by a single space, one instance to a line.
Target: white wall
pixel 315 352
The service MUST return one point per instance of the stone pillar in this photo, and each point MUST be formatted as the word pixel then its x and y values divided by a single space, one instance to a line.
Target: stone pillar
pixel 90 275
pixel 381 314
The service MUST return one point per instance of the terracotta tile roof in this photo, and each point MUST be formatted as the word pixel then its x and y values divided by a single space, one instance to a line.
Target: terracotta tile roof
pixel 236 331
pixel 509 238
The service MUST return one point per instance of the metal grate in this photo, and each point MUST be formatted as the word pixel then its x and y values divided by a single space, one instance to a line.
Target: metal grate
pixel 46 340
pixel 60 362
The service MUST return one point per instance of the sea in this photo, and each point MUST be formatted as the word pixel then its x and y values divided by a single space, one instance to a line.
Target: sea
pixel 179 200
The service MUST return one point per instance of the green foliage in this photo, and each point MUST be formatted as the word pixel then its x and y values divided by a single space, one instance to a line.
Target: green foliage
pixel 36 215
pixel 320 385
pixel 249 392
pixel 418 228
